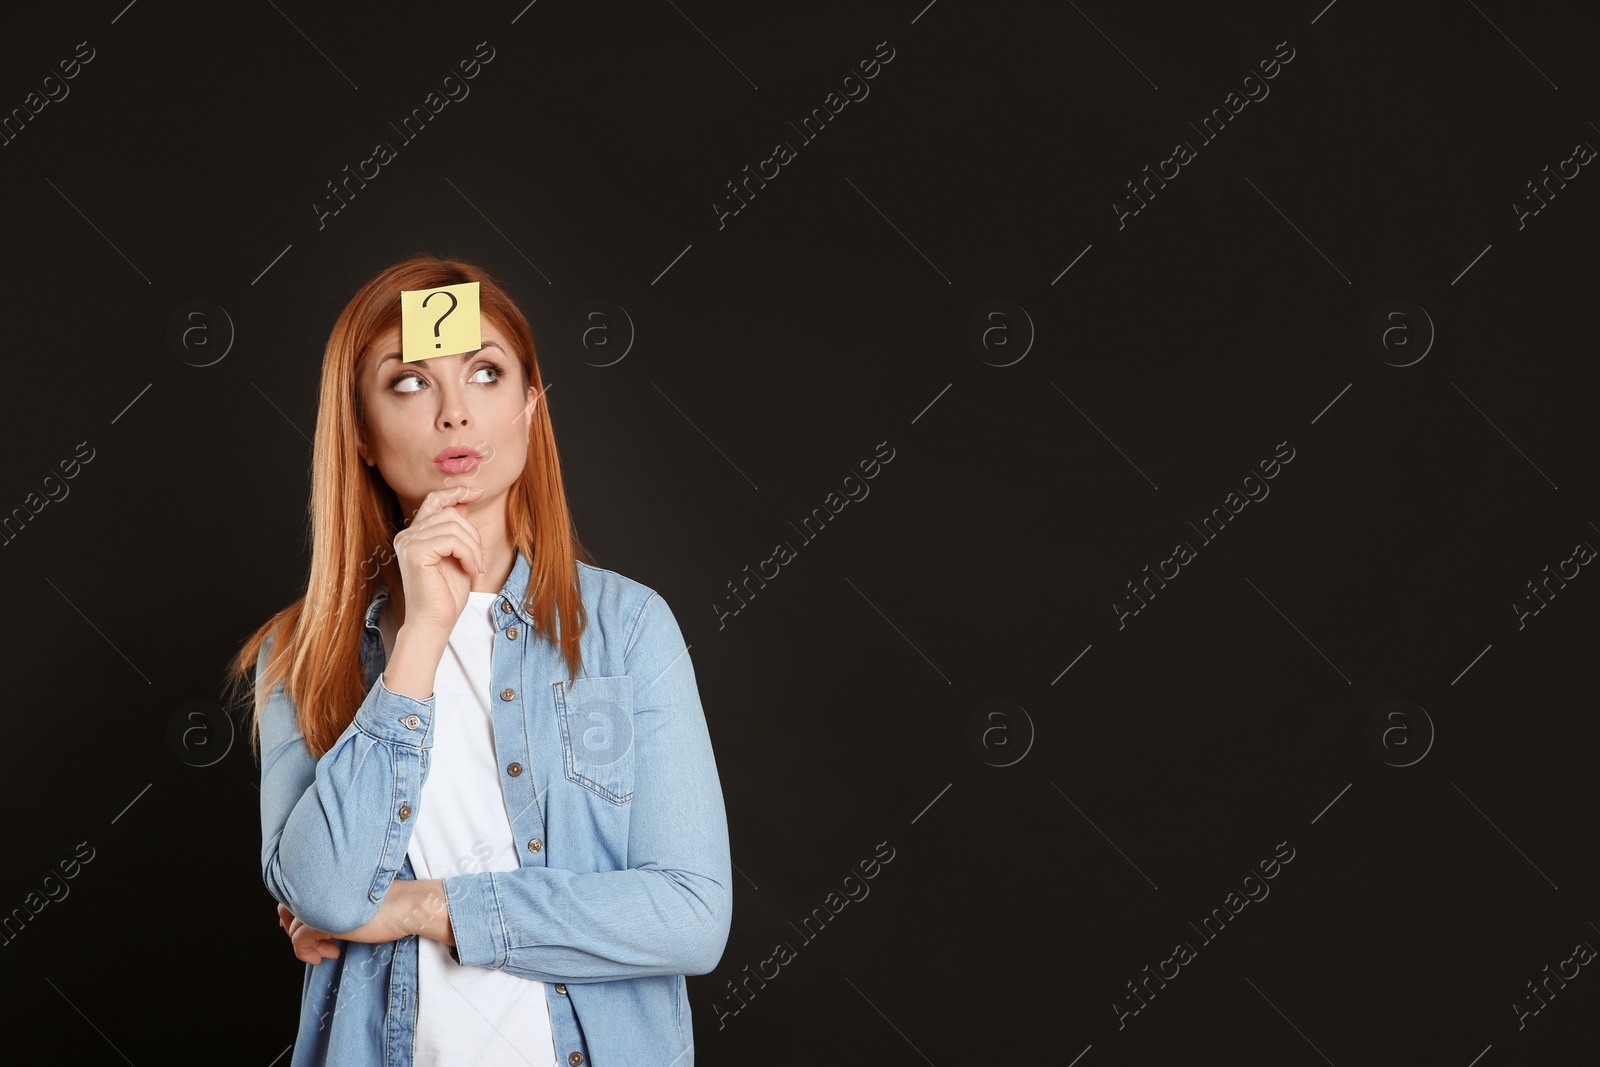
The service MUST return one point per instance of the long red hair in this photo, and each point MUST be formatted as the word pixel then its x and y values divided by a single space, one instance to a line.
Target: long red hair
pixel 354 517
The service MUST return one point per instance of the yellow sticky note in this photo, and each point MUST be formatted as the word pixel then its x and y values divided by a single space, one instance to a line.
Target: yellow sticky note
pixel 439 322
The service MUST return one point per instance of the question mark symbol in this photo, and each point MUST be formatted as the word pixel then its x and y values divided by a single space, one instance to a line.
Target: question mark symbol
pixel 446 315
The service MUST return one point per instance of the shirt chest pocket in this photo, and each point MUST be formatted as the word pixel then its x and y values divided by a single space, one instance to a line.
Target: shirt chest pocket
pixel 596 717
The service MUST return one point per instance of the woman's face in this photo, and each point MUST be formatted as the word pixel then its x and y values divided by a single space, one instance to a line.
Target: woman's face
pixel 418 412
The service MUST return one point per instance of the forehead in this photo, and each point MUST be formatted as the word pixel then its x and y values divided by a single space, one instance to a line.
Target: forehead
pixel 389 340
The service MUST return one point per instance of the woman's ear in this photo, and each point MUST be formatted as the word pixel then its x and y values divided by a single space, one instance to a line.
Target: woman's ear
pixel 527 410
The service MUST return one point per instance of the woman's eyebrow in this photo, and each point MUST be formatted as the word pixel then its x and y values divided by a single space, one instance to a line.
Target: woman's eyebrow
pixel 464 355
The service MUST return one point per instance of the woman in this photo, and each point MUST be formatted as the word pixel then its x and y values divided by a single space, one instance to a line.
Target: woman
pixel 490 811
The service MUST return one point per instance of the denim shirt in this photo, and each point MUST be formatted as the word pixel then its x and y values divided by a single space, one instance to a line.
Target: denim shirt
pixel 624 882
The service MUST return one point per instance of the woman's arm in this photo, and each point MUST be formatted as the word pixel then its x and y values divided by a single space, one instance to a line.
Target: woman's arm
pixel 335 829
pixel 410 907
pixel 670 911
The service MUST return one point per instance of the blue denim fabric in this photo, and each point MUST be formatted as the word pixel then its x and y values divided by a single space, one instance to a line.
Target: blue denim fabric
pixel 625 879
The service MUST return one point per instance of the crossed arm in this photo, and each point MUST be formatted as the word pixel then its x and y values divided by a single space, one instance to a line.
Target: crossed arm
pixel 411 906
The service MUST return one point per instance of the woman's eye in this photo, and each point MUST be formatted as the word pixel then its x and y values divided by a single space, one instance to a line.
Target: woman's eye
pixel 414 377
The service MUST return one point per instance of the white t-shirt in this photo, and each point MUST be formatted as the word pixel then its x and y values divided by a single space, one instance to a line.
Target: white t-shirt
pixel 480 1016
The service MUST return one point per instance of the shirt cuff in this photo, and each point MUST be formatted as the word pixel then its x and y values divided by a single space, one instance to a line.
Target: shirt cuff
pixel 475 920
pixel 395 717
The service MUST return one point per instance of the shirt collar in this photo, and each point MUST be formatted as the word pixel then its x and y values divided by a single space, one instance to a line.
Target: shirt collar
pixel 506 608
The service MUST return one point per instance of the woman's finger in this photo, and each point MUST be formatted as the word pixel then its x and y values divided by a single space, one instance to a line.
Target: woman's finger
pixel 310 944
pixel 449 541
pixel 440 511
pixel 439 499
pixel 313 946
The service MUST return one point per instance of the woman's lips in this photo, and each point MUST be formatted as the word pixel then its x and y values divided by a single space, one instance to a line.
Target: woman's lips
pixel 458 464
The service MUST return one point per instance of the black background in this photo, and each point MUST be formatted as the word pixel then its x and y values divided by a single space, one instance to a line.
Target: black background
pixel 772 354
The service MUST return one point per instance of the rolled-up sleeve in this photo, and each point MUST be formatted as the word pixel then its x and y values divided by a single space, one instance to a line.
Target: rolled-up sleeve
pixel 335 829
pixel 670 910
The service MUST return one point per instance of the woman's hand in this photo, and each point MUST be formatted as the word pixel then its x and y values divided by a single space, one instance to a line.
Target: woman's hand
pixel 438 554
pixel 310 945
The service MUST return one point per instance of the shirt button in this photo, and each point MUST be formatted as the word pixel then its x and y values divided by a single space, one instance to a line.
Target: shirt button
pixel 561 989
pixel 535 845
pixel 413 721
pixel 505 605
pixel 514 769
pixel 575 1058
pixel 405 812
pixel 507 693
pixel 512 633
